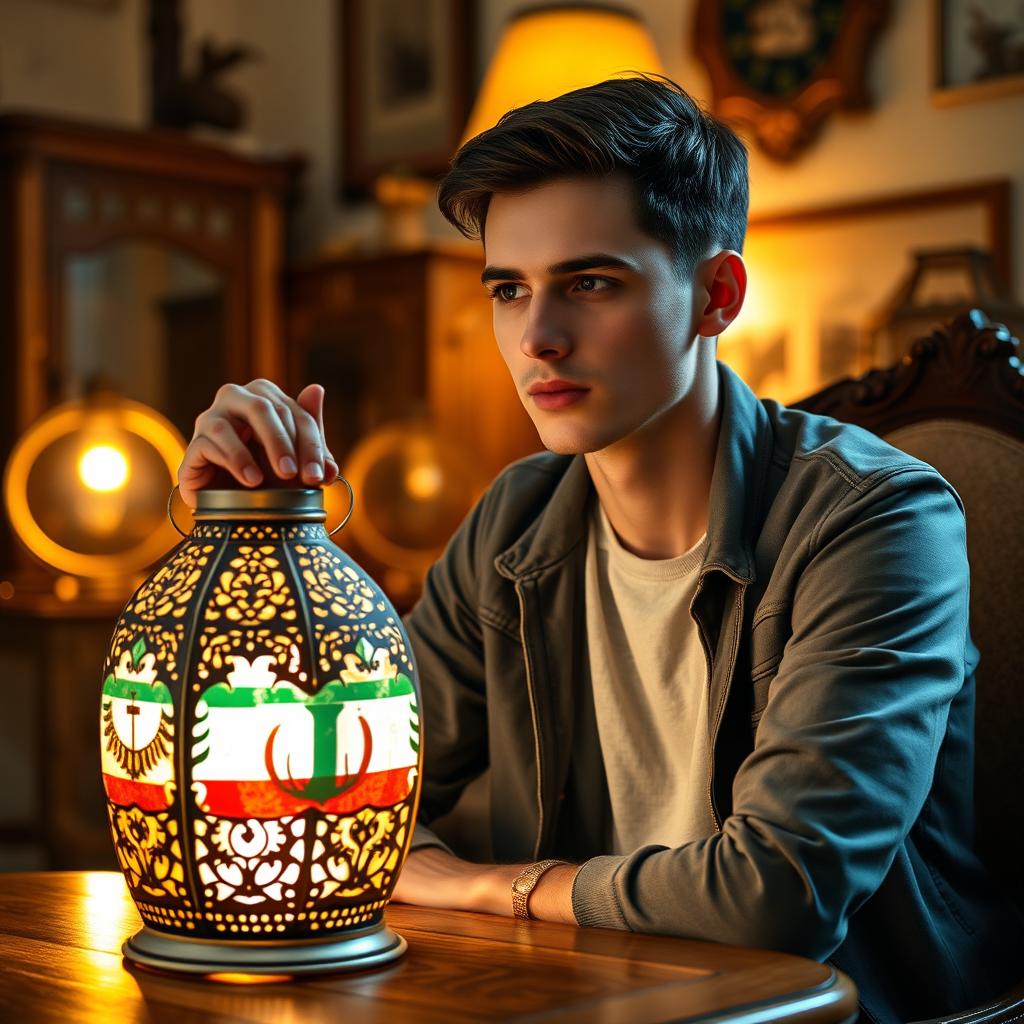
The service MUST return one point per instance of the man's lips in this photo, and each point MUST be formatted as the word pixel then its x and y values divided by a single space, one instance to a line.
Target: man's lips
pixel 549 387
pixel 556 394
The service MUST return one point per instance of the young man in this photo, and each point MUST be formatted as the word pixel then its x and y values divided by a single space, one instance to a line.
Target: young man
pixel 714 651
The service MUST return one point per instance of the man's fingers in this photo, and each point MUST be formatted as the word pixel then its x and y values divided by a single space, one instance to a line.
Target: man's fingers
pixel 236 407
pixel 303 429
pixel 310 447
pixel 289 433
pixel 204 457
pixel 282 403
pixel 311 399
pixel 221 446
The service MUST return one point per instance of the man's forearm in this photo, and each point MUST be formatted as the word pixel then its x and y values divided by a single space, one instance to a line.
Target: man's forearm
pixel 433 878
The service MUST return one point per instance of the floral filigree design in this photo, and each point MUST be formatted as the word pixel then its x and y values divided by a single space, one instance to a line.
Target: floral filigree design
pixel 170 589
pixel 209 531
pixel 334 645
pixel 218 646
pixel 255 531
pixel 251 861
pixel 148 852
pixel 253 589
pixel 345 606
pixel 305 531
pixel 357 855
pixel 335 588
pixel 162 639
pixel 254 861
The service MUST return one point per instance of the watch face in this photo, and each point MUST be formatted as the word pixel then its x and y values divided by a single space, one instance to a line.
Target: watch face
pixel 522 885
pixel 777 46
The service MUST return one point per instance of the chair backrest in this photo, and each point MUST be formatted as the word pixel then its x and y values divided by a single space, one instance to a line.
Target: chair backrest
pixel 957 402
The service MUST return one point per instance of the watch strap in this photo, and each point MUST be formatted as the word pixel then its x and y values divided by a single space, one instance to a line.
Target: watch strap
pixel 524 884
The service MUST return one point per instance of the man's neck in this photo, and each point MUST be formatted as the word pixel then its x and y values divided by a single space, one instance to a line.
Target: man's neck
pixel 655 485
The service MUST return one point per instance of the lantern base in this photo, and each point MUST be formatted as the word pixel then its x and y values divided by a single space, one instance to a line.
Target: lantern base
pixel 354 951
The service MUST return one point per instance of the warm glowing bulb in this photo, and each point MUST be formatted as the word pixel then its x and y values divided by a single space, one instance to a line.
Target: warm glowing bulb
pixel 423 481
pixel 103 468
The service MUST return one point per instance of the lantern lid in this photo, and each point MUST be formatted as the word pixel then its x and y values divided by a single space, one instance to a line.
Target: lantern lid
pixel 294 504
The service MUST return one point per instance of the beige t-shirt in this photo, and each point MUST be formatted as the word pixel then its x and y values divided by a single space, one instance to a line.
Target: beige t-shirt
pixel 650 687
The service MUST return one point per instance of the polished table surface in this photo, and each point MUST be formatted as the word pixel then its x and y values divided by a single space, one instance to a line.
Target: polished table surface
pixel 60 960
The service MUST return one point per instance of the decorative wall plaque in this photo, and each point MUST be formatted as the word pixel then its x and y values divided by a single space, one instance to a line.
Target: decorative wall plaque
pixel 780 67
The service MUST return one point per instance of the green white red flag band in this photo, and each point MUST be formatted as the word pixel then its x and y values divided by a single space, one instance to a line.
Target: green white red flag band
pixel 262 747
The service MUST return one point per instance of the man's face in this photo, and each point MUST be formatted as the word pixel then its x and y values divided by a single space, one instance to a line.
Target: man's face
pixel 581 295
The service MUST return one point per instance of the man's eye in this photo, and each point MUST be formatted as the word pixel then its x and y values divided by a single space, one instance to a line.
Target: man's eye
pixel 504 292
pixel 593 284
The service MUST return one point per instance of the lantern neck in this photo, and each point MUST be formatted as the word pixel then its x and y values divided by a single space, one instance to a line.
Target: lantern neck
pixel 265 504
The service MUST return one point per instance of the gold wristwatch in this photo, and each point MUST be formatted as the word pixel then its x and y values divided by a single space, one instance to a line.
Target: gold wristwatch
pixel 524 883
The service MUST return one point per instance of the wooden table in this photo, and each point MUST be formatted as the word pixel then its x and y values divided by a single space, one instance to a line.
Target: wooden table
pixel 60 960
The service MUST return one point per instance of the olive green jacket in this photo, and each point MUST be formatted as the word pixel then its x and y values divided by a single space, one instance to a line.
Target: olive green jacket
pixel 832 607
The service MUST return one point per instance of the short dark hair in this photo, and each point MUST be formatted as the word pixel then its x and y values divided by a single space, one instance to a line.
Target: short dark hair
pixel 687 168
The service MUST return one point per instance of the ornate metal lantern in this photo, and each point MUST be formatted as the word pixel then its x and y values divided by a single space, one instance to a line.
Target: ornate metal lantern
pixel 260 746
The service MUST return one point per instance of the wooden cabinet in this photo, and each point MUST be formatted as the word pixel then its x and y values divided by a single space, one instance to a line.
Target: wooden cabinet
pixel 145 259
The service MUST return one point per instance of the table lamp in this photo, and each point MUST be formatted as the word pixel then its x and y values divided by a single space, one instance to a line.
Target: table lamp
pixel 259 733
pixel 939 286
pixel 83 490
pixel 549 50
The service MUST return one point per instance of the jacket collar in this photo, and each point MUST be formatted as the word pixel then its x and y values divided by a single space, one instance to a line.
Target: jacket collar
pixel 737 484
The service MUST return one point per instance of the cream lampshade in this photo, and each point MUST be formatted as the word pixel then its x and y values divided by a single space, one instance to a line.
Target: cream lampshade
pixel 546 51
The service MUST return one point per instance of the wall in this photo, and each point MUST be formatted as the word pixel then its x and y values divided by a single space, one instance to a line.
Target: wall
pixel 68 57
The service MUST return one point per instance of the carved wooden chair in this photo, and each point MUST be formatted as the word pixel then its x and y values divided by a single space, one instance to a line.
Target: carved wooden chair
pixel 956 401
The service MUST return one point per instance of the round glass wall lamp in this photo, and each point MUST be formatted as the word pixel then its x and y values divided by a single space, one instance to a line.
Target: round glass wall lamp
pixel 83 492
pixel 416 488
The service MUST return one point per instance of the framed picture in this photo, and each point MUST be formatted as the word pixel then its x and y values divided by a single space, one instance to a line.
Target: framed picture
pixel 779 68
pixel 818 279
pixel 978 50
pixel 406 87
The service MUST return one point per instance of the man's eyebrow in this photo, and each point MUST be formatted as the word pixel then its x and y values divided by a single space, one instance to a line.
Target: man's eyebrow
pixel 593 261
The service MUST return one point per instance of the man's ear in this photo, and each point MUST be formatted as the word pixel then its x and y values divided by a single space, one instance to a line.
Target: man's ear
pixel 722 286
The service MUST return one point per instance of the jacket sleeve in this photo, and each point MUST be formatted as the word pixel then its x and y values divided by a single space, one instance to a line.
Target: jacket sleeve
pixel 846 749
pixel 444 633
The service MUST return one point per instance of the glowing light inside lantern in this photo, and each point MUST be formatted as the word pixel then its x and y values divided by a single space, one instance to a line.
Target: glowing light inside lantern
pixel 238 978
pixel 103 468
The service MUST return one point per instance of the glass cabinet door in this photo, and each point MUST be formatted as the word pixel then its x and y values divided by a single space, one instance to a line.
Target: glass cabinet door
pixel 147 320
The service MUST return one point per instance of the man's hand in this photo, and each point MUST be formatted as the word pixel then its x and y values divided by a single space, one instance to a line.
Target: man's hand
pixel 432 877
pixel 256 430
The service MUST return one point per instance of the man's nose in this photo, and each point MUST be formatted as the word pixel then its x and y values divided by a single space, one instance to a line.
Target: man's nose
pixel 546 334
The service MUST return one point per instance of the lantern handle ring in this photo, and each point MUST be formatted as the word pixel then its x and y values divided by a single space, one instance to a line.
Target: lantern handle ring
pixel 170 511
pixel 340 479
pixel 351 504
